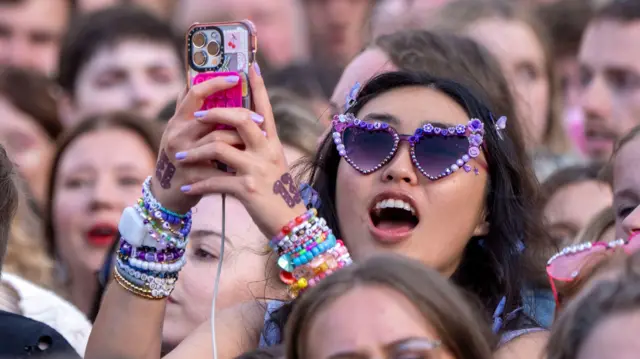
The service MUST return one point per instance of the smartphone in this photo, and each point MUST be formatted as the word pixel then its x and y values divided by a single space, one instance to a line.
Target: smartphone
pixel 222 49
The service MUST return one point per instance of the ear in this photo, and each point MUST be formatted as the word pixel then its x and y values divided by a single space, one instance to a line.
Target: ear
pixel 482 228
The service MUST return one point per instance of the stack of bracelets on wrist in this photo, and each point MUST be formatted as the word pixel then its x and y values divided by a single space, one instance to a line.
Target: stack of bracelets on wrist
pixel 308 251
pixel 152 247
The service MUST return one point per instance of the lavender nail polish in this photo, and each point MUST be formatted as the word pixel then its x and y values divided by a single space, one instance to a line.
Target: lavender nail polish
pixel 200 113
pixel 257 67
pixel 257 118
pixel 181 155
pixel 232 79
pixel 185 188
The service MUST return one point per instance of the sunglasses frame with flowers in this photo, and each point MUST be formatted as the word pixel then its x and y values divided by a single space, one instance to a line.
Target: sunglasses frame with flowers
pixel 474 131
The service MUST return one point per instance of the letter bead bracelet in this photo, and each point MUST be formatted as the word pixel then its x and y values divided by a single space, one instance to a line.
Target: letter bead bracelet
pixel 308 251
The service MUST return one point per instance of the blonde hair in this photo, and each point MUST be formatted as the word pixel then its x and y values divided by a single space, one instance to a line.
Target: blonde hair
pixel 27 254
pixel 599 224
pixel 297 124
pixel 458 14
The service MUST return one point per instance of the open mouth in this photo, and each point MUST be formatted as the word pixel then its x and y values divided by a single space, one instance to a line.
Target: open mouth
pixel 102 235
pixel 393 217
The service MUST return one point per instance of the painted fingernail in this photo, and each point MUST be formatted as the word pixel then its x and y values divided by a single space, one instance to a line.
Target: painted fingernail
pixel 185 188
pixel 200 113
pixel 257 118
pixel 257 67
pixel 232 79
pixel 181 155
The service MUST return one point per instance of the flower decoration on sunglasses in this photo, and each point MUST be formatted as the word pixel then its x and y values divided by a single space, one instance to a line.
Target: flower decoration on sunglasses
pixel 436 151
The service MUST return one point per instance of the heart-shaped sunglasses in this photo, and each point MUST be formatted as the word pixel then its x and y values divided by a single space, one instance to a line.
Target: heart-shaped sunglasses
pixel 436 151
pixel 565 266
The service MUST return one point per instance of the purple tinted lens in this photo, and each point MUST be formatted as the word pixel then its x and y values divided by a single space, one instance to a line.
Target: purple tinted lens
pixel 366 148
pixel 436 153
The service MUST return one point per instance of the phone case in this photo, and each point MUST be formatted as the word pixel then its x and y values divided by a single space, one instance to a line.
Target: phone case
pixel 222 49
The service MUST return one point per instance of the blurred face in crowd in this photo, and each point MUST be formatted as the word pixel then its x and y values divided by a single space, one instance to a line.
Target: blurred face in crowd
pixel 162 8
pixel 610 76
pixel 573 206
pixel 279 41
pixel 28 146
pixel 99 174
pixel 337 28
pixel 244 267
pixel 394 15
pixel 132 75
pixel 626 189
pixel 349 327
pixel 521 56
pixel 608 340
pixel 30 32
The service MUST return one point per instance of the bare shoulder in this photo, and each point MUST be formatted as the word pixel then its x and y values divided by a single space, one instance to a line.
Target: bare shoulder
pixel 529 346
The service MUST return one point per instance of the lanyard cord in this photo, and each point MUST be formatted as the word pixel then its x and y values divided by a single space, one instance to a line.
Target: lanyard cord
pixel 217 281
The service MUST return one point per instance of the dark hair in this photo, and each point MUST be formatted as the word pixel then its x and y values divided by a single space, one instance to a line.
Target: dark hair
pixel 619 10
pixel 306 80
pixel 492 266
pixel 608 297
pixel 94 31
pixel 607 172
pixel 463 331
pixel 167 111
pixel 568 176
pixel 566 21
pixel 8 200
pixel 454 57
pixel 148 131
pixel 32 94
pixel 274 352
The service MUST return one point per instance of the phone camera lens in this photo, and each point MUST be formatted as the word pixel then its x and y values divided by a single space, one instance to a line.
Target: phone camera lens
pixel 199 39
pixel 200 58
pixel 213 48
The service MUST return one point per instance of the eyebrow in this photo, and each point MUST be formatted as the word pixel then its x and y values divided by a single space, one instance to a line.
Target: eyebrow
pixel 392 120
pixel 202 233
pixel 627 193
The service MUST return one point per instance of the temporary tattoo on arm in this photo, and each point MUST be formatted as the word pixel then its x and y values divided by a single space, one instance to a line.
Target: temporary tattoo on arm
pixel 287 188
pixel 165 170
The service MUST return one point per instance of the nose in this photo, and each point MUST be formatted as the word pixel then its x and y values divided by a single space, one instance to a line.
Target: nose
pixel 595 99
pixel 400 169
pixel 104 195
pixel 631 224
pixel 141 93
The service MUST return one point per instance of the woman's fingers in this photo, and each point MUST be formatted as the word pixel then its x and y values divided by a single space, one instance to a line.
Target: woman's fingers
pixel 221 183
pixel 194 99
pixel 245 122
pixel 261 102
pixel 216 151
pixel 230 137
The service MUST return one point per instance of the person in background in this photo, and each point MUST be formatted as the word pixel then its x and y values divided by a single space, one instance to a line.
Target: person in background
pixel 119 59
pixel 97 170
pixel 337 29
pixel 281 30
pixel 516 37
pixel 604 320
pixel 31 31
pixel 162 8
pixel 29 126
pixel 21 336
pixel 387 307
pixel 396 15
pixel 312 83
pixel 610 76
pixel 566 21
pixel 601 228
pixel 571 198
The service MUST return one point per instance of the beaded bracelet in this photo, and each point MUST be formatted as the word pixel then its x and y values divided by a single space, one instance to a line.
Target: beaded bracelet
pixel 308 252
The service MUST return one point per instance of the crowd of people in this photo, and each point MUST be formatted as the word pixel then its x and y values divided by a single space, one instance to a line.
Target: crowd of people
pixel 413 179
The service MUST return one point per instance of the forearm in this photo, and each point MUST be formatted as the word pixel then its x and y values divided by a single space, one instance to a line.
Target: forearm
pixel 127 327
